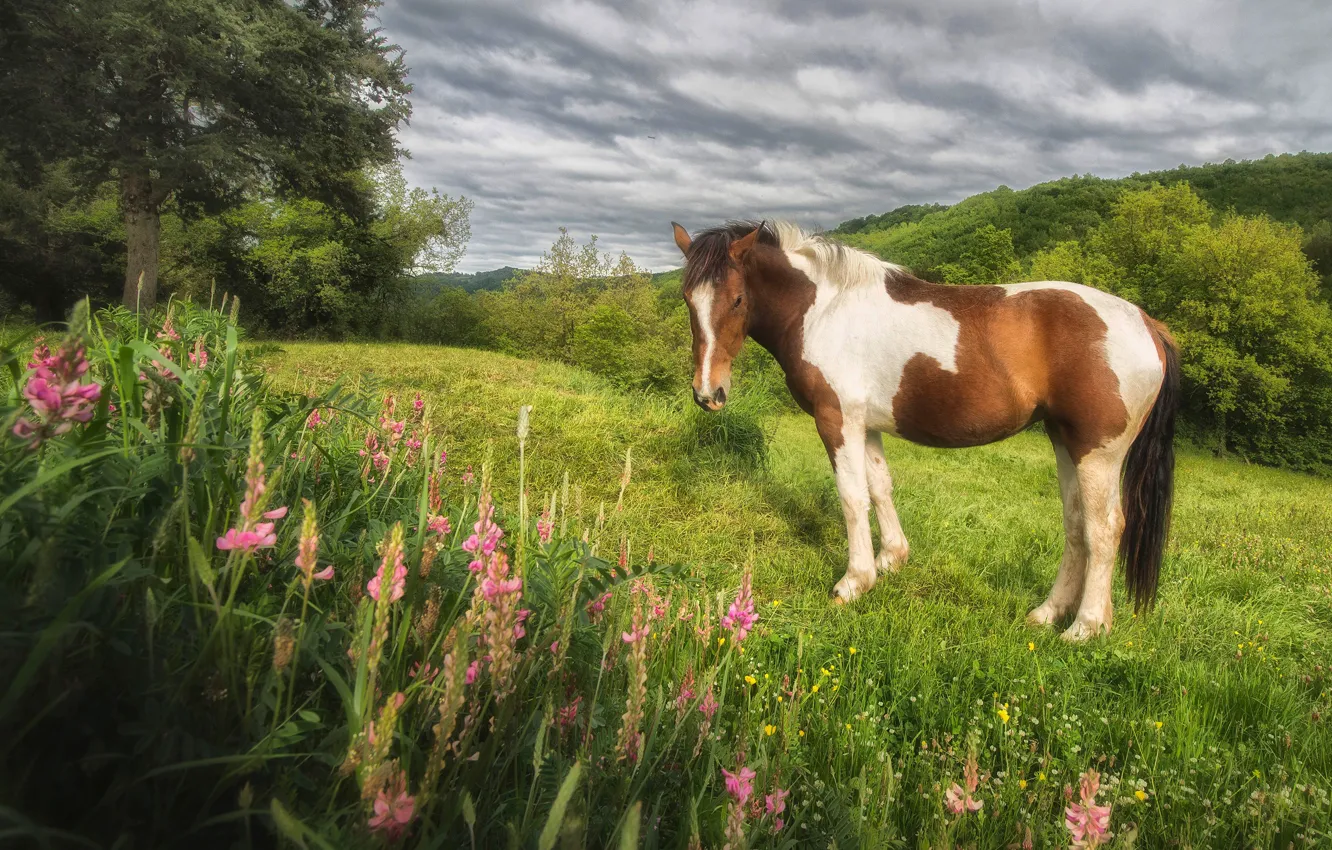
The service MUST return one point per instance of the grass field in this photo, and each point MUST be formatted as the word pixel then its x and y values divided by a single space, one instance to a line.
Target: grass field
pixel 1207 717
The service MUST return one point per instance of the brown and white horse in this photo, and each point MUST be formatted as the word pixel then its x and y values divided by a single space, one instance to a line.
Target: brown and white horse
pixel 869 349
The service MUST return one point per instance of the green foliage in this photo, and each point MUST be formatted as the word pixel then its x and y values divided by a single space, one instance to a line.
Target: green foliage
pixel 987 257
pixel 1241 298
pixel 1293 188
pixel 584 307
pixel 200 100
pixel 431 282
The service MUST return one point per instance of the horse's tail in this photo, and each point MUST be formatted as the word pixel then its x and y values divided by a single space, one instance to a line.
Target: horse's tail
pixel 1149 482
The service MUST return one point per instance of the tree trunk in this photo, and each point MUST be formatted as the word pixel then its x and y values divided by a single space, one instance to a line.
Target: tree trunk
pixel 140 205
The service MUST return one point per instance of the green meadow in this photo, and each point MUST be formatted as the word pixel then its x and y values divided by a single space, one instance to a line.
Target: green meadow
pixel 1206 717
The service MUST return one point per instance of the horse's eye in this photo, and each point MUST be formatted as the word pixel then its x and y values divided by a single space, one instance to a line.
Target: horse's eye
pixel 737 301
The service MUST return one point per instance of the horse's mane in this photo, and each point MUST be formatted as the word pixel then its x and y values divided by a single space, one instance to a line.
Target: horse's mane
pixel 841 265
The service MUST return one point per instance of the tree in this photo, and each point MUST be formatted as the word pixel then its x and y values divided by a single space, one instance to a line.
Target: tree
pixel 988 257
pixel 199 100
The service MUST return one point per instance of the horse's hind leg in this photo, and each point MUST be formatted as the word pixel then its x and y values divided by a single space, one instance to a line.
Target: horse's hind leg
pixel 1066 593
pixel 893 548
pixel 1103 519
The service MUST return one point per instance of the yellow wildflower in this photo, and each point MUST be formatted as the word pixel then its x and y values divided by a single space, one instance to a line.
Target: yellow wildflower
pixel 851 649
pixel 751 680
pixel 721 640
pixel 1158 724
pixel 824 671
pixel 769 729
pixel 802 733
pixel 1140 794
pixel 776 603
pixel 1031 647
pixel 1041 776
pixel 848 726
pixel 1022 783
pixel 1003 713
pixel 814 690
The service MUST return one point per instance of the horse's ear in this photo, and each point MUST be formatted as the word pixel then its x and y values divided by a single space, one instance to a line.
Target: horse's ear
pixel 742 246
pixel 682 240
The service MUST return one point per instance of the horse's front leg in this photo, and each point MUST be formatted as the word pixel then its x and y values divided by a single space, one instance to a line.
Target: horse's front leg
pixel 893 548
pixel 845 441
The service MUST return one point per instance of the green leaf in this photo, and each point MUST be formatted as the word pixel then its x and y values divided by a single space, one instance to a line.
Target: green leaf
pixel 469 810
pixel 629 833
pixel 287 824
pixel 555 819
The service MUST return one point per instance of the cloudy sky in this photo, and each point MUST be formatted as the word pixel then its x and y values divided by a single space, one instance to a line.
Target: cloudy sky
pixel 616 117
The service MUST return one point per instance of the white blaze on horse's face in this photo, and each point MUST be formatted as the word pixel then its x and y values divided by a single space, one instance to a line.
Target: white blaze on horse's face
pixel 718 316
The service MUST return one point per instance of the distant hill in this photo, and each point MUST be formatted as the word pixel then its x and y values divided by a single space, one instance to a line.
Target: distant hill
pixel 1293 188
pixel 429 284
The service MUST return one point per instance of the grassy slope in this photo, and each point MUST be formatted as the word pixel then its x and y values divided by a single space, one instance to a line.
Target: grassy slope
pixel 1226 662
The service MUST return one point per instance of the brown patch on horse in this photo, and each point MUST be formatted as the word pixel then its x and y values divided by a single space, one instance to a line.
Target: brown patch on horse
pixel 1020 358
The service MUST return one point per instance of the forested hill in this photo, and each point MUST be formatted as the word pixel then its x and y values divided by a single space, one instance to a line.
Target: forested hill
pixel 1292 188
pixel 430 283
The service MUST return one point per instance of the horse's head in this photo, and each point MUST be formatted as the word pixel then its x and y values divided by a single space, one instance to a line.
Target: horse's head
pixel 718 299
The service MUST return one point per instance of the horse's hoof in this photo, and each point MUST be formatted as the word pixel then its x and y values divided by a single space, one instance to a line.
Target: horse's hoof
pixel 885 562
pixel 1082 630
pixel 1041 616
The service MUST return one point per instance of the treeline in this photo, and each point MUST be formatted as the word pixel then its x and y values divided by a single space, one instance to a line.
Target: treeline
pixel 203 144
pixel 1242 293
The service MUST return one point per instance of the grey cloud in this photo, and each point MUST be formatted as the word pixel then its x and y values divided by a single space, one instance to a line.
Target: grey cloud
pixel 544 113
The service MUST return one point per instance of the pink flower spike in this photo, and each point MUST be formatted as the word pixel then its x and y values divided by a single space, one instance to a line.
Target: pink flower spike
pixel 739 784
pixel 325 574
pixel 775 803
pixel 394 808
pixel 276 513
pixel 472 670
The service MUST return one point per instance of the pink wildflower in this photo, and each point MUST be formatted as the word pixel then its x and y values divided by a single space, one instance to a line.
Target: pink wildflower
pixel 686 692
pixel 381 460
pixel 398 582
pixel 740 617
pixel 168 332
pixel 775 804
pixel 394 808
pixel 739 784
pixel 472 670
pixel 1088 823
pixel 597 606
pixel 519 630
pixel 709 705
pixel 314 420
pixel 555 647
pixel 199 356
pixel 309 547
pixel 56 394
pixel 567 715
pixel 439 525
pixel 959 799
pixel 260 537
pixel 545 527
pixel 423 669
pixel 635 635
pixel 418 403
pixel 468 477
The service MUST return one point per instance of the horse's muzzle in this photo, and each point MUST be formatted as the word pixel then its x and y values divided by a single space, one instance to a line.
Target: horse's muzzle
pixel 711 403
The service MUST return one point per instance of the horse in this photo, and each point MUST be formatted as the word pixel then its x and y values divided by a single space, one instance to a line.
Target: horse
pixel 869 349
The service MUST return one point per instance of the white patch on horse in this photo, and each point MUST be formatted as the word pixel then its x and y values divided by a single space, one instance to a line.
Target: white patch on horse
pixel 1130 349
pixel 861 340
pixel 702 299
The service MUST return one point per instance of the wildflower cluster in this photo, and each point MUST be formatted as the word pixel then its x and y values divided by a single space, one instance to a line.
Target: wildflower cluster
pixel 56 392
